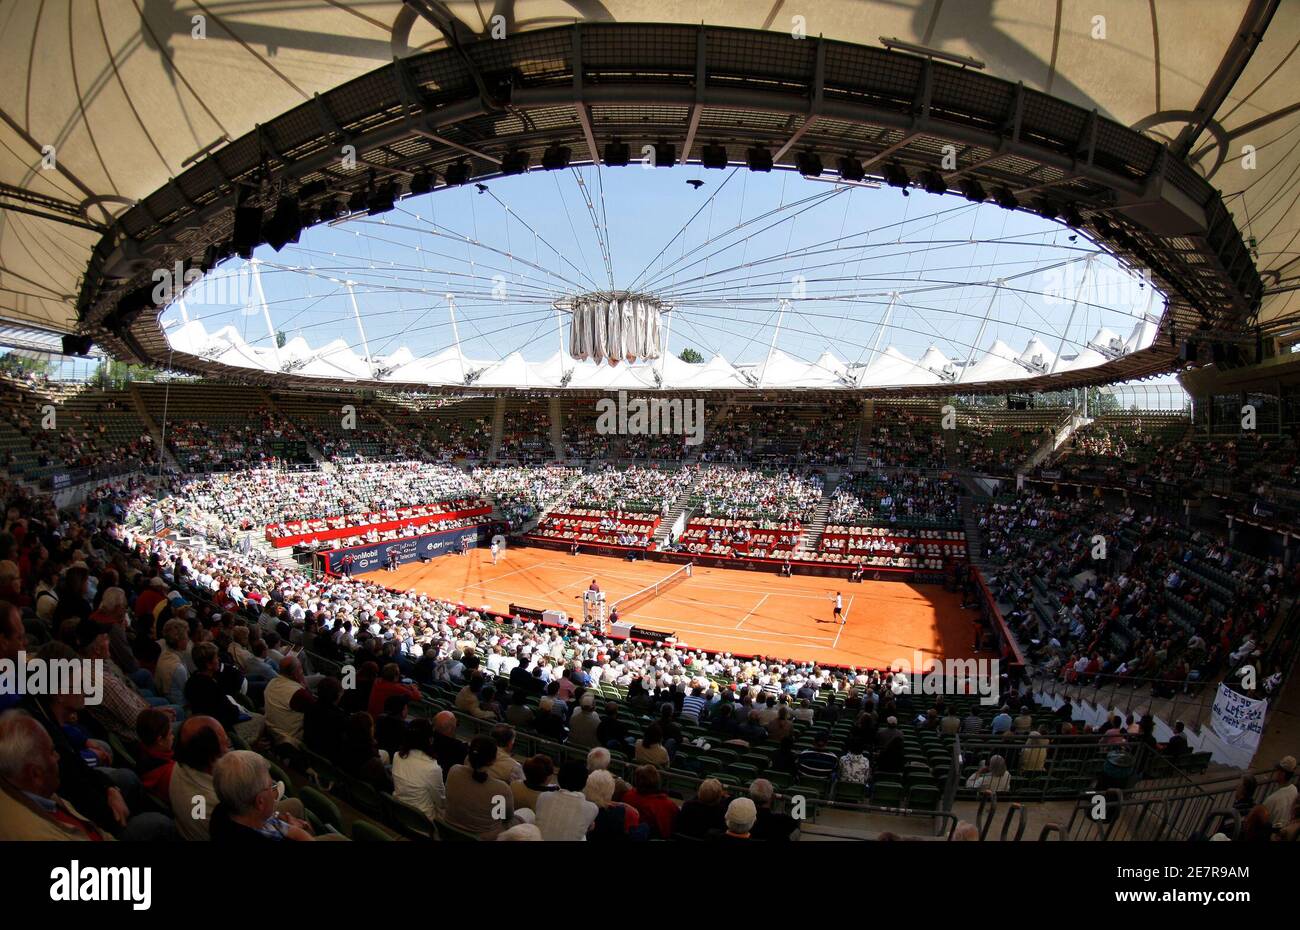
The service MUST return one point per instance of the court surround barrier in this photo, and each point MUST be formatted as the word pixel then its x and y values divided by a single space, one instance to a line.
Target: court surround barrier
pixel 378 526
pixel 1008 649
pixel 797 566
pixel 374 556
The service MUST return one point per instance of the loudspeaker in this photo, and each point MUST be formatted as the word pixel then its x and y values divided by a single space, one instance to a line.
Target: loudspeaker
pixel 247 234
pixel 1190 351
pixel 76 345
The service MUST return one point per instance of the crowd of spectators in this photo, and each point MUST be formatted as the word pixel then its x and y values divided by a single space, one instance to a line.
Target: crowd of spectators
pixel 632 490
pixel 262 438
pixel 71 440
pixel 1101 595
pixel 775 498
pixel 257 497
pixel 887 498
pixel 525 434
pixel 521 492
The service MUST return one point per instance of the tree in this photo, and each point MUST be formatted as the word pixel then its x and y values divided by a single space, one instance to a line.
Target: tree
pixel 690 356
pixel 114 375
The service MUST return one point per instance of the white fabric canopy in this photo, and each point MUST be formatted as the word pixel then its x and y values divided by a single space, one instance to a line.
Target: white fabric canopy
pixel 890 367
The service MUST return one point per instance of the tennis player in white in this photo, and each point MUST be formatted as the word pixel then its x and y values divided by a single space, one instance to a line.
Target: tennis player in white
pixel 839 607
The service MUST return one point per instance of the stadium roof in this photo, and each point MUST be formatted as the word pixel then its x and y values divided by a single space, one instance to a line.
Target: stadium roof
pixel 124 128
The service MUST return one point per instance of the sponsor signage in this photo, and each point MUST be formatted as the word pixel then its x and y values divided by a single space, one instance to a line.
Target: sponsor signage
pixel 413 548
pixel 654 636
pixel 527 613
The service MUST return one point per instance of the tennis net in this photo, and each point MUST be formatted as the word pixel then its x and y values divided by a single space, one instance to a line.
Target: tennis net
pixel 625 604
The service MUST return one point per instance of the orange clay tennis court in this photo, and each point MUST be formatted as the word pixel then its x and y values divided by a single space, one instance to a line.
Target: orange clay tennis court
pixel 751 613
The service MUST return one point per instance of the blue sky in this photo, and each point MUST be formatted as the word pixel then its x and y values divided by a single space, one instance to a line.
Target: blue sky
pixel 724 255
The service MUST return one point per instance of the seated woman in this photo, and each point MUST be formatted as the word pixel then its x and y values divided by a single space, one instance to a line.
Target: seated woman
pixel 615 821
pixel 476 802
pixel 417 779
pixel 650 749
pixel 359 753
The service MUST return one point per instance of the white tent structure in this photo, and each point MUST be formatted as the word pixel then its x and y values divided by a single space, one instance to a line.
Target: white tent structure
pixel 890 368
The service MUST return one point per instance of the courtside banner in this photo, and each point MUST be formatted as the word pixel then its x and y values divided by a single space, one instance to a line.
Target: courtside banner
pixel 428 546
pixel 1238 720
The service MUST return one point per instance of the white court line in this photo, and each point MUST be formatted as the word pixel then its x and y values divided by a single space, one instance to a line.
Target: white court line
pixel 783 643
pixel 752 609
pixel 508 574
pixel 698 581
pixel 715 626
pixel 843 621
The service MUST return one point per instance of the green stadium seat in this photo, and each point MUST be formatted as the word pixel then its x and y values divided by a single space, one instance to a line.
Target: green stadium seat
pixel 923 797
pixel 363 831
pixel 850 792
pixel 326 811
pixel 410 822
pixel 450 834
pixel 365 797
pixel 887 794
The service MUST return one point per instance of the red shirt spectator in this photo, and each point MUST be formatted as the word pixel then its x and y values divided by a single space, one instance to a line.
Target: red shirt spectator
pixel 651 802
pixel 387 686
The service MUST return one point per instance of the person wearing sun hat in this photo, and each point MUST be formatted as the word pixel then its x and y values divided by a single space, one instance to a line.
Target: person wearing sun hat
pixel 1281 802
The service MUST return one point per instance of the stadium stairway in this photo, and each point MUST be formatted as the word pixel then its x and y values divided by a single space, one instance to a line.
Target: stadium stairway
pixel 316 455
pixel 150 424
pixel 1056 443
pixel 974 538
pixel 679 506
pixel 557 429
pixel 377 409
pixel 543 511
pixel 498 426
pixel 715 421
pixel 812 532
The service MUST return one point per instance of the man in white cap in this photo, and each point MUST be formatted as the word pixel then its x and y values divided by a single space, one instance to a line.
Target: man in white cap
pixel 740 817
pixel 1281 802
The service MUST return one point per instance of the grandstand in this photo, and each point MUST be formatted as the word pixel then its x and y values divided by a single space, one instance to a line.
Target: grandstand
pixel 638 423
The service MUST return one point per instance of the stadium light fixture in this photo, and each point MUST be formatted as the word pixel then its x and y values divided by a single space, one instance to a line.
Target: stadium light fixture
pixel 896 175
pixel 617 154
pixel 556 157
pixel 247 231
pixel 973 190
pixel 810 164
pixel 515 161
pixel 381 199
pixel 1047 208
pixel 933 181
pixel 1006 198
pixel 851 169
pixel 285 224
pixel 456 173
pixel 665 155
pixel 759 159
pixel 713 156
pixel 422 181
pixel 329 209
